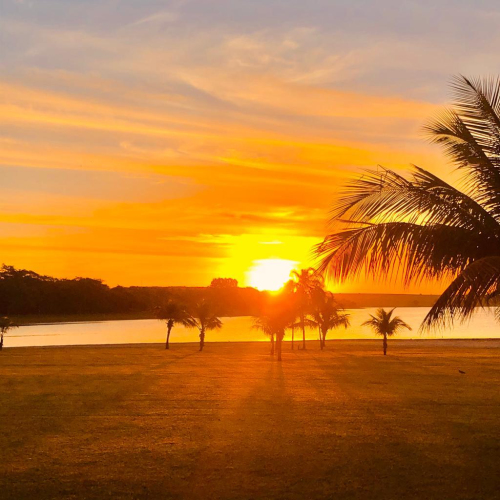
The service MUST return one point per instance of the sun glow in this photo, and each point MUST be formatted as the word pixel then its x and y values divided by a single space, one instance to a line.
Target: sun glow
pixel 270 274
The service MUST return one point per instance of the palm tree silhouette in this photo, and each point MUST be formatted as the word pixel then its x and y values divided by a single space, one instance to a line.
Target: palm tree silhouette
pixel 274 326
pixel 385 325
pixel 204 317
pixel 264 324
pixel 305 281
pixel 421 227
pixel 326 315
pixel 6 324
pixel 278 316
pixel 291 297
pixel 172 312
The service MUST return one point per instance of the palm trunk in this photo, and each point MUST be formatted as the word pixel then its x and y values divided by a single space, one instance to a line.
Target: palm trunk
pixel 279 340
pixel 293 331
pixel 1 341
pixel 323 340
pixel 302 319
pixel 167 342
pixel 272 344
pixel 385 345
pixel 320 338
pixel 202 338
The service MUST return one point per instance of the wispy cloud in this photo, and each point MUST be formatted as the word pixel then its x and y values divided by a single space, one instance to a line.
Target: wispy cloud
pixel 235 119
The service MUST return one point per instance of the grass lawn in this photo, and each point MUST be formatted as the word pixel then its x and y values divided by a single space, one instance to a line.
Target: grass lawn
pixel 231 423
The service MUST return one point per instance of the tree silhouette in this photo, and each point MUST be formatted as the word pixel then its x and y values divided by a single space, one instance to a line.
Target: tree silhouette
pixel 421 227
pixel 305 281
pixel 224 283
pixel 172 312
pixel 204 317
pixel 288 291
pixel 385 325
pixel 326 314
pixel 6 324
pixel 264 324
pixel 278 316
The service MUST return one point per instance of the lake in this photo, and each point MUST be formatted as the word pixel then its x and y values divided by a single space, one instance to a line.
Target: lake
pixel 483 325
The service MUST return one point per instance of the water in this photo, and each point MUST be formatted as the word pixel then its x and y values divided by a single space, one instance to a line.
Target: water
pixel 483 325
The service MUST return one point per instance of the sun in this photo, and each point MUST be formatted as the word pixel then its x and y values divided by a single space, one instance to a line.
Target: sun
pixel 270 274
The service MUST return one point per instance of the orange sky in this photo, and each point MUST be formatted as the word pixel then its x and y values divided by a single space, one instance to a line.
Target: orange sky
pixel 164 146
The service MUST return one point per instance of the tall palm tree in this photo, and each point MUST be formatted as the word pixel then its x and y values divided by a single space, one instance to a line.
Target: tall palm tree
pixel 204 317
pixel 305 281
pixel 6 324
pixel 291 297
pixel 172 312
pixel 327 315
pixel 278 316
pixel 264 324
pixel 420 227
pixel 385 325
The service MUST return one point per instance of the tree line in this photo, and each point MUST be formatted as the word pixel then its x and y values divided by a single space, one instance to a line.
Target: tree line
pixel 302 303
pixel 25 292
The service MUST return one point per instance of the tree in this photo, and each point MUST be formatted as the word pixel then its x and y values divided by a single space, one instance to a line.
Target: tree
pixel 277 316
pixel 305 281
pixel 204 317
pixel 224 283
pixel 172 312
pixel 326 315
pixel 6 324
pixel 288 291
pixel 422 228
pixel 264 324
pixel 385 325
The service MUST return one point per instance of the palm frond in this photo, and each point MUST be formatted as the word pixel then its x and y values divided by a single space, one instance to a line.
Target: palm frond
pixel 411 251
pixel 474 285
pixel 385 195
pixel 382 323
pixel 6 324
pixel 470 135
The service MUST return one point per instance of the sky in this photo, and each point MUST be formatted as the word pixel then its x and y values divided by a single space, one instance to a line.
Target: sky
pixel 150 142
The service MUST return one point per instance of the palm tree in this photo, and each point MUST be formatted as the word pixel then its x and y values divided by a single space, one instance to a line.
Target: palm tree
pixel 327 315
pixel 264 324
pixel 204 317
pixel 383 324
pixel 291 297
pixel 422 228
pixel 278 316
pixel 172 312
pixel 305 281
pixel 6 324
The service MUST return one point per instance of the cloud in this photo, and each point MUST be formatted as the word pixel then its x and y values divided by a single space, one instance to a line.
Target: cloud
pixel 142 141
pixel 157 19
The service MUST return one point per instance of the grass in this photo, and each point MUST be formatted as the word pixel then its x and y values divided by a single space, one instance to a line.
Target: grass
pixel 141 422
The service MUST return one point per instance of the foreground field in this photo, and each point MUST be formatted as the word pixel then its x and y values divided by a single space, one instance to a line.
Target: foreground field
pixel 346 423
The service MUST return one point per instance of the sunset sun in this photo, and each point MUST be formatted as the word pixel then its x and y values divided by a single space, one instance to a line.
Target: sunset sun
pixel 270 274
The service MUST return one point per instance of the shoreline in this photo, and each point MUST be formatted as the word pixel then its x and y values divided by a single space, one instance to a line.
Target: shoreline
pixel 312 343
pixel 55 319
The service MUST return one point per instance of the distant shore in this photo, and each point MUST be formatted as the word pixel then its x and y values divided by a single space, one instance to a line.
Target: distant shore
pixel 43 319
pixel 346 300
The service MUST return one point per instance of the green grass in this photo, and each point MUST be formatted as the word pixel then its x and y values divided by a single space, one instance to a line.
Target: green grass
pixel 231 423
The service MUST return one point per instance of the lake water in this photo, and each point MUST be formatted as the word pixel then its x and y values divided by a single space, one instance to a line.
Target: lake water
pixel 483 325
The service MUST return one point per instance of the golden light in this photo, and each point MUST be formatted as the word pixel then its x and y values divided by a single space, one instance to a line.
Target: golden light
pixel 270 274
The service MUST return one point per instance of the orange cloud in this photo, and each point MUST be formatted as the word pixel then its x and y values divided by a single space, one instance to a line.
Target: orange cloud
pixel 266 169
